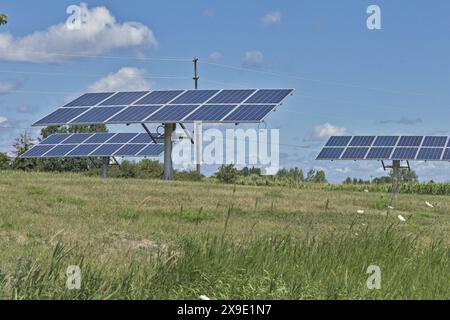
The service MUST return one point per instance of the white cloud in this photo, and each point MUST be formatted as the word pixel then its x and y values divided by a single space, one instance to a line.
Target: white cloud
pixel 127 78
pixel 253 58
pixel 99 33
pixel 215 56
pixel 324 131
pixel 208 12
pixel 3 121
pixel 6 86
pixel 271 18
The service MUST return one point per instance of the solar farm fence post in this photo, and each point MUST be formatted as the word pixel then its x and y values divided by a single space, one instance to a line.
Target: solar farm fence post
pixel 105 167
pixel 395 176
pixel 168 169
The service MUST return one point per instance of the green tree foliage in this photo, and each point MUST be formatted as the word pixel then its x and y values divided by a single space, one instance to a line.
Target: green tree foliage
pixel 295 174
pixel 3 19
pixel 246 171
pixel 227 173
pixel 316 176
pixel 21 145
pixel 5 162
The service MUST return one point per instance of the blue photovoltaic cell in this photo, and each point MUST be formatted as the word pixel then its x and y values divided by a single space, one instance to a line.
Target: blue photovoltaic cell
pixel 77 138
pixel 385 141
pixel 107 149
pixel 152 150
pixel 269 96
pixel 123 98
pixel 404 153
pixel 100 137
pixel 248 112
pixel 37 151
pixel 134 114
pixel 355 153
pixel 172 113
pixel 379 153
pixel 55 138
pixel 122 137
pixel 60 150
pixel 410 141
pixel 330 153
pixel 61 116
pixel 338 141
pixel 362 141
pixel 97 115
pixel 446 155
pixel 145 138
pixel 83 150
pixel 430 154
pixel 194 96
pixel 434 141
pixel 231 96
pixel 211 112
pixel 130 150
pixel 89 99
pixel 159 97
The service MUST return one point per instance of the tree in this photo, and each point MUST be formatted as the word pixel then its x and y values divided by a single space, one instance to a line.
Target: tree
pixel 295 174
pixel 407 175
pixel 5 162
pixel 227 173
pixel 3 19
pixel 21 145
pixel 317 176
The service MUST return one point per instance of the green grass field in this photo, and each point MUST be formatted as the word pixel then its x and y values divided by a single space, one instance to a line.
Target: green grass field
pixel 152 239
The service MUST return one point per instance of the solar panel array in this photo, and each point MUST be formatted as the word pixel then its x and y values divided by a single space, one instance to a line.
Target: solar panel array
pixel 78 145
pixel 423 148
pixel 219 106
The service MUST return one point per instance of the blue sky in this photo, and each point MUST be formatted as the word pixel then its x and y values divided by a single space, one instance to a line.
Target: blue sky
pixel 347 78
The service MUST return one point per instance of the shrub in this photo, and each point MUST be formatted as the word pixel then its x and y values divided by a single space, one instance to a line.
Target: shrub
pixel 227 173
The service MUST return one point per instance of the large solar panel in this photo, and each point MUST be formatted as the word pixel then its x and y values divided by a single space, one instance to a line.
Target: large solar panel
pixel 249 105
pixel 96 145
pixel 420 148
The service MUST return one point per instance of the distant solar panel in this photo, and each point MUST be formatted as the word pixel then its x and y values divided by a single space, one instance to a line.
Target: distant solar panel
pixel 386 141
pixel 271 96
pixel 362 141
pixel 380 153
pixel 231 96
pixel 89 99
pixel 252 105
pixel 330 153
pixel 249 113
pixel 434 141
pixel 430 154
pixel 410 141
pixel 429 148
pixel 106 144
pixel 123 98
pixel 404 153
pixel 159 97
pixel 194 96
pixel 338 141
pixel 211 112
pixel 355 153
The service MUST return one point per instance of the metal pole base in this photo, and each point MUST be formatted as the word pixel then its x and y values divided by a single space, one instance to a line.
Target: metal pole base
pixel 168 168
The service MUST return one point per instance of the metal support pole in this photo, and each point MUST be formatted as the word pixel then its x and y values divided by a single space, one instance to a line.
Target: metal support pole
pixel 197 129
pixel 168 168
pixel 105 167
pixel 395 176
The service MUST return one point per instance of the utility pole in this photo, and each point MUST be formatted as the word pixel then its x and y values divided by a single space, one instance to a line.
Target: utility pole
pixel 197 125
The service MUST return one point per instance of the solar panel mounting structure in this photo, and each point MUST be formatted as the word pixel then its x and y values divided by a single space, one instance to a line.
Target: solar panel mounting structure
pixel 169 107
pixel 396 149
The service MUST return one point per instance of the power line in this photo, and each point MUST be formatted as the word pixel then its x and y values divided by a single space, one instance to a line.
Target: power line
pixel 143 58
pixel 302 78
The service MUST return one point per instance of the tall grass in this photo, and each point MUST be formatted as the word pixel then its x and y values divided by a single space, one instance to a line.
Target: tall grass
pixel 258 267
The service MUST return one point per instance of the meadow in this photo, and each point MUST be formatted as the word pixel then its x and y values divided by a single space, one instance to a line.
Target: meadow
pixel 153 239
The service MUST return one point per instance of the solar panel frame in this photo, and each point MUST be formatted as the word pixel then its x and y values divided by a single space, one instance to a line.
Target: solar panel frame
pixel 330 153
pixel 202 97
pixel 355 153
pixel 435 141
pixel 405 153
pixel 379 153
pixel 386 141
pixel 410 141
pixel 430 154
